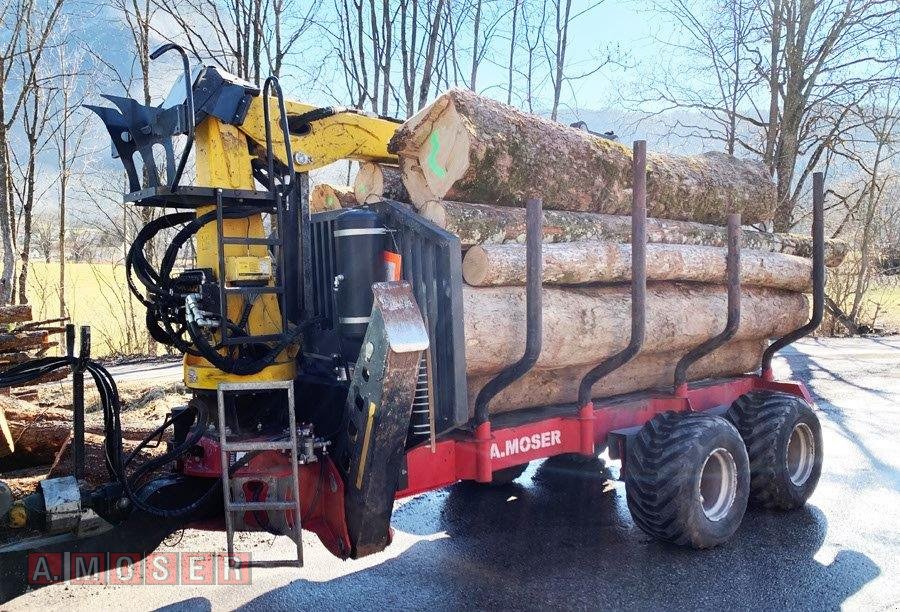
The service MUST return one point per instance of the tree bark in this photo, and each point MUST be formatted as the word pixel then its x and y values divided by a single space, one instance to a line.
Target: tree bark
pixel 483 224
pixel 582 263
pixel 584 325
pixel 474 149
pixel 325 196
pixel 646 371
pixel 375 182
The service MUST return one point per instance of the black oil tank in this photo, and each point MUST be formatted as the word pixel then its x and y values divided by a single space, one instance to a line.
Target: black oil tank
pixel 358 244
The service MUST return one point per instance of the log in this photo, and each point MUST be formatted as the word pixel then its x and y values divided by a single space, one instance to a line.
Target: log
pixel 6 439
pixel 582 263
pixel 482 224
pixel 18 341
pixel 325 196
pixel 38 433
pixel 646 371
pixel 471 148
pixel 376 182
pixel 15 313
pixel 583 325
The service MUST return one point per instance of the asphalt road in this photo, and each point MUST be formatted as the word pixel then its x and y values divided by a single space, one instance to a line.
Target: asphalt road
pixel 562 538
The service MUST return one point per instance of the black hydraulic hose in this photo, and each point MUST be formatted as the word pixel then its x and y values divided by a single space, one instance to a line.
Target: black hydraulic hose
pixel 136 260
pixel 115 459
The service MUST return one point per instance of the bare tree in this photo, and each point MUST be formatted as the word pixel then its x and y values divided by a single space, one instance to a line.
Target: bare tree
pixel 556 48
pixel 18 18
pixel 786 74
pixel 246 37
pixel 68 137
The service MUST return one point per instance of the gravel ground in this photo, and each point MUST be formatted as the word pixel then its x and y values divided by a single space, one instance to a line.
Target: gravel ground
pixel 562 538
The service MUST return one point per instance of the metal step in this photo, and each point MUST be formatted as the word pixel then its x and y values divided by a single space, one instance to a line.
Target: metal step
pixel 226 447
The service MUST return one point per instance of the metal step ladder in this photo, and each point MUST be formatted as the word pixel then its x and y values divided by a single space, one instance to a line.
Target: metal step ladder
pixel 226 448
pixel 249 293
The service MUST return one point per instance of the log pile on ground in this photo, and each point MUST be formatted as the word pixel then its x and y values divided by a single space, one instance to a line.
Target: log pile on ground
pixel 23 339
pixel 468 164
pixel 326 196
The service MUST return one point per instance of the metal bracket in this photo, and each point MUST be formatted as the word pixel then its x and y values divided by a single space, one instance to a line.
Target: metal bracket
pixel 379 406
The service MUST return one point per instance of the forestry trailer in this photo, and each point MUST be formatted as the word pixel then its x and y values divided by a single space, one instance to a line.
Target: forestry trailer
pixel 326 357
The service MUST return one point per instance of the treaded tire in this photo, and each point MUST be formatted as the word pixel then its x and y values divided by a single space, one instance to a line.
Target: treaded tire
pixel 766 421
pixel 665 468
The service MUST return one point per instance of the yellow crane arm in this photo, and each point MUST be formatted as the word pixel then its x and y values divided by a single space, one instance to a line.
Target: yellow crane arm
pixel 345 134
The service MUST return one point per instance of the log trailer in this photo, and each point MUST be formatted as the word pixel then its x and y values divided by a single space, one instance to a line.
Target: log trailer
pixel 326 360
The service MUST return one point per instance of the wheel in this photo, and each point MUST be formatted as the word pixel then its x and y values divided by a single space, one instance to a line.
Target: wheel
pixel 687 479
pixel 784 443
pixel 507 475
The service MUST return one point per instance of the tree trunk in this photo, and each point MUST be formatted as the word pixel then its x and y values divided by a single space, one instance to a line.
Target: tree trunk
pixel 330 197
pixel 375 182
pixel 482 224
pixel 9 267
pixel 474 149
pixel 584 325
pixel 582 263
pixel 646 371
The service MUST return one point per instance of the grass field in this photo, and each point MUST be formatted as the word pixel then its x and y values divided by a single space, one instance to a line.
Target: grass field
pixel 96 295
pixel 887 297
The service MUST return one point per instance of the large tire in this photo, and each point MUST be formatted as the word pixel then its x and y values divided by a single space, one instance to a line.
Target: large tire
pixel 687 479
pixel 784 443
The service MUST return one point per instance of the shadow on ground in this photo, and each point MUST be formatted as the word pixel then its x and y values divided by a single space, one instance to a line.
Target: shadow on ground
pixel 562 538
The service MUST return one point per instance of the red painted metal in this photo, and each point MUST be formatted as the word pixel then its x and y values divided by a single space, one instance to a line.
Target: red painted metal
pixel 588 435
pixel 491 449
pixel 476 456
pixel 321 489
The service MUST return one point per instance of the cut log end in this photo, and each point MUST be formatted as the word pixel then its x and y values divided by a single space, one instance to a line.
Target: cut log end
pixel 376 182
pixel 324 197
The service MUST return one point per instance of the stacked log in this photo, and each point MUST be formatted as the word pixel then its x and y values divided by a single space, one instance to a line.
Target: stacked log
pixel 375 182
pixel 476 224
pixel 24 340
pixel 468 165
pixel 469 148
pixel 584 263
pixel 548 387
pixel 325 197
pixel 584 325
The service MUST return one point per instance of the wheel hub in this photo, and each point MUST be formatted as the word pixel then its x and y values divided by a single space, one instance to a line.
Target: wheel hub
pixel 718 484
pixel 801 454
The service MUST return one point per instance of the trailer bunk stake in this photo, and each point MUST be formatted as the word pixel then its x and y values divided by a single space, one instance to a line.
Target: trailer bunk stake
pixel 733 281
pixel 818 277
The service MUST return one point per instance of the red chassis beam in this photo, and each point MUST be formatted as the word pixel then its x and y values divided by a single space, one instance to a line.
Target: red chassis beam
pixel 462 456
pixel 476 458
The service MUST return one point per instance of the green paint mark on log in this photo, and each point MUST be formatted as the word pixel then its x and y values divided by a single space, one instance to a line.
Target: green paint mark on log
pixel 433 165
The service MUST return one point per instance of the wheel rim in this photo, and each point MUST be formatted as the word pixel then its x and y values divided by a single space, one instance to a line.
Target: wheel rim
pixel 801 454
pixel 718 484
